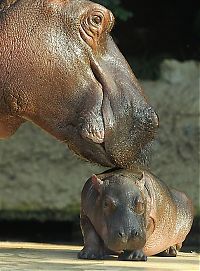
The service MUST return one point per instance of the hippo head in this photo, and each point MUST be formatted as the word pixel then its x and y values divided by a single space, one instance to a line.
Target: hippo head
pixel 63 72
pixel 123 212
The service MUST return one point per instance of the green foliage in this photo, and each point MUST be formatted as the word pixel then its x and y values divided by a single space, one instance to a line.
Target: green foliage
pixel 116 7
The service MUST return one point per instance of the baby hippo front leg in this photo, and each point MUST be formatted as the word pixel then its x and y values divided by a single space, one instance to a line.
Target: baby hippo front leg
pixel 135 255
pixel 93 245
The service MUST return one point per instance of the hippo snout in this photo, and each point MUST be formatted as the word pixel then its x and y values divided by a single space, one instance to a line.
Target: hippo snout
pixel 122 240
pixel 136 240
pixel 124 237
pixel 146 119
pixel 134 233
pixel 152 118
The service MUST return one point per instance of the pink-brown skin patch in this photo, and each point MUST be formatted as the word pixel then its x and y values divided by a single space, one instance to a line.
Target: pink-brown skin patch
pixel 132 214
pixel 61 70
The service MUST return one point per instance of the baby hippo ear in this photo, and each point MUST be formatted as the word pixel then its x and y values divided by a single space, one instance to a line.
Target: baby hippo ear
pixel 96 182
pixel 141 182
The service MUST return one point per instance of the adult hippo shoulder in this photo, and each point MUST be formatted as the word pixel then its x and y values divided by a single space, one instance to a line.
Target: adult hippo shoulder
pixel 61 70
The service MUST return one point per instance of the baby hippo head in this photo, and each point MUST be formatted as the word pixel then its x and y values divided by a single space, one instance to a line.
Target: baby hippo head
pixel 123 210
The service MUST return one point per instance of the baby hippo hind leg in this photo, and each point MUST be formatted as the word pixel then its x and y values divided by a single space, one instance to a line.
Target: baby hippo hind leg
pixel 170 252
pixel 93 245
pixel 135 255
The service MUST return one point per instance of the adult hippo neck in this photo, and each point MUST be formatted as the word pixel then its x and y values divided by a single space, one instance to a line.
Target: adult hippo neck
pixel 61 70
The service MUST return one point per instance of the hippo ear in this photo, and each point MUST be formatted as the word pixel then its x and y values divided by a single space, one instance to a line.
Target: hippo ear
pixel 96 182
pixel 141 182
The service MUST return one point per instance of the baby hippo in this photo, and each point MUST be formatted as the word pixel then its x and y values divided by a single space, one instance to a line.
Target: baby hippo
pixel 133 215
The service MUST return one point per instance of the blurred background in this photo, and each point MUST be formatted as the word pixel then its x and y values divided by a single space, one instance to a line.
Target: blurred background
pixel 41 180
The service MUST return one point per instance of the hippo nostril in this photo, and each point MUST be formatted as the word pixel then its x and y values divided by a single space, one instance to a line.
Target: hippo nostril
pixel 121 234
pixel 136 233
pixel 148 118
pixel 156 120
pixel 152 117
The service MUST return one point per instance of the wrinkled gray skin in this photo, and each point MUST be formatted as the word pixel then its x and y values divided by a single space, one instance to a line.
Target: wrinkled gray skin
pixel 134 215
pixel 61 70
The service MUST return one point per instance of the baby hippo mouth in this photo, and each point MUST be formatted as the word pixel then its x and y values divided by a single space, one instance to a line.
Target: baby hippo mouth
pixel 125 243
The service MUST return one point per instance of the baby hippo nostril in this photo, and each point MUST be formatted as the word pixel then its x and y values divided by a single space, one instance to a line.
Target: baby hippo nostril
pixel 120 234
pixel 135 233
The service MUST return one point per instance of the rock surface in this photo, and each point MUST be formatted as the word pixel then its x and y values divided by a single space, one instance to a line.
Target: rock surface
pixel 40 178
pixel 175 96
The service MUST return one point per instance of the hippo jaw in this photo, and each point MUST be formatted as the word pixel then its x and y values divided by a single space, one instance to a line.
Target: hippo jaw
pixel 123 125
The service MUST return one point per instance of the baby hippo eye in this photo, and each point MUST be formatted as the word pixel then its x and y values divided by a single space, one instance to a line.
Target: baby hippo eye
pixel 106 204
pixel 139 207
pixel 109 204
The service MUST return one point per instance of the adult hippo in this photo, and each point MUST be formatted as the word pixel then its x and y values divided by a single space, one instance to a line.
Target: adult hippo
pixel 61 70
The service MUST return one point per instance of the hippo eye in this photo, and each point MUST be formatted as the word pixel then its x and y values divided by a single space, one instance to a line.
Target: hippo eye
pixel 106 204
pixel 139 207
pixel 109 204
pixel 94 24
pixel 96 20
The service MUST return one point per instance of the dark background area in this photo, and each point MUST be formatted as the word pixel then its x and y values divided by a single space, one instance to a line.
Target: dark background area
pixel 168 28
pixel 146 32
pixel 67 232
pixel 150 31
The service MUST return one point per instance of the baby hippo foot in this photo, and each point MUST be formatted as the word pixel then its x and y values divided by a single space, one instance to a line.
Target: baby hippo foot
pixel 170 252
pixel 91 254
pixel 135 255
pixel 93 129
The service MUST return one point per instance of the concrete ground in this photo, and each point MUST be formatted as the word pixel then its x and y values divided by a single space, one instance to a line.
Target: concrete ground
pixel 46 257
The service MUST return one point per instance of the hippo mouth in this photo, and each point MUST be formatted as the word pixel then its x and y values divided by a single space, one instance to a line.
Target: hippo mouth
pixel 116 130
pixel 115 126
pixel 87 148
pixel 113 145
pixel 120 129
pixel 129 245
pixel 117 146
